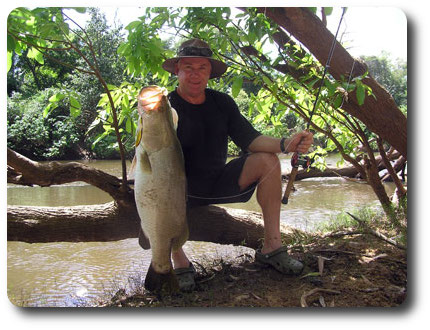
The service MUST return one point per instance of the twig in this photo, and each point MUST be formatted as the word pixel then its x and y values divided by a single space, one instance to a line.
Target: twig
pixel 342 233
pixel 358 254
pixel 303 302
pixel 376 233
pixel 349 179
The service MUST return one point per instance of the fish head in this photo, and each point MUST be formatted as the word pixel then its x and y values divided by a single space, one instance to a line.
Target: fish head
pixel 156 124
pixel 150 99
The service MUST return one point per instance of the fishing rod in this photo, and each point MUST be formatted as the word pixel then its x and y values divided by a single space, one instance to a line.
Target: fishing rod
pixel 298 159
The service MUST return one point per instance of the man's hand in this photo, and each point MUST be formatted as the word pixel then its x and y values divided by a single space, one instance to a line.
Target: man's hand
pixel 300 142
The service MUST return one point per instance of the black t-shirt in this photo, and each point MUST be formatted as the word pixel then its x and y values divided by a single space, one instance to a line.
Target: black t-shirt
pixel 203 132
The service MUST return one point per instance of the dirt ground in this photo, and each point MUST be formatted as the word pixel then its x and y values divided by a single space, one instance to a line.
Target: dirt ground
pixel 340 271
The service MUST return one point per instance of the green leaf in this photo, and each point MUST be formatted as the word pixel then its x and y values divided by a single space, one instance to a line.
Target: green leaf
pixel 80 10
pixel 104 100
pixel 124 49
pixel 338 101
pixel 93 124
pixel 47 109
pixel 328 10
pixel 9 61
pixel 331 87
pixel 99 138
pixel 11 43
pixel 267 81
pixel 53 103
pixel 36 55
pixel 237 86
pixel 360 92
pixel 57 97
pixel 129 127
pixel 75 107
pixel 133 25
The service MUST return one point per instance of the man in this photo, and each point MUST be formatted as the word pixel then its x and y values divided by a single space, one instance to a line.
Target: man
pixel 206 119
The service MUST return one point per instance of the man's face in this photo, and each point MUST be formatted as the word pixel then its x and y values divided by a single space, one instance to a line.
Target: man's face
pixel 193 75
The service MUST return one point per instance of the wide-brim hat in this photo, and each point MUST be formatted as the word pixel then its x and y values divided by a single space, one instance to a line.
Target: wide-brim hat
pixel 196 48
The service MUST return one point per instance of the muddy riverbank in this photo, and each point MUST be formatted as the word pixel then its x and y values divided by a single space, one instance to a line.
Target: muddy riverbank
pixel 341 271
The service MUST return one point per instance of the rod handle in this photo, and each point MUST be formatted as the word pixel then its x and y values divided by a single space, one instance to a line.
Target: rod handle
pixel 289 185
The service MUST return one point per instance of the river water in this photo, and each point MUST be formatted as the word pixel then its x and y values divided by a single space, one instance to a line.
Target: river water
pixel 65 274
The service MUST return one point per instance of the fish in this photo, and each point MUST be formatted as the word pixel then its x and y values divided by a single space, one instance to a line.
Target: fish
pixel 160 186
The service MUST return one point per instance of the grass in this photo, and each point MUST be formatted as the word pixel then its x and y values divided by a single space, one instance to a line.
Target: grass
pixel 394 226
pixel 344 221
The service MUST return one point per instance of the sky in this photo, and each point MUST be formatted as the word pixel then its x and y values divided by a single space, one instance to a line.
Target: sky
pixel 371 30
pixel 361 30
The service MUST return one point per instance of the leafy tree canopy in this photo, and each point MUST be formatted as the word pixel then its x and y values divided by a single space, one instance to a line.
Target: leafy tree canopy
pixel 280 77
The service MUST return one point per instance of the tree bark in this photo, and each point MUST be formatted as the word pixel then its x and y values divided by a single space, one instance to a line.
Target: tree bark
pixel 401 191
pixel 38 224
pixel 376 184
pixel 376 111
pixel 108 222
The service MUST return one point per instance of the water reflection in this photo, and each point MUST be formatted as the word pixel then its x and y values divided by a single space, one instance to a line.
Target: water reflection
pixel 65 274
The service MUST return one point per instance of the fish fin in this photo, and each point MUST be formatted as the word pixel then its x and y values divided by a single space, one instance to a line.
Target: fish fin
pixel 139 132
pixel 161 283
pixel 143 240
pixel 132 169
pixel 145 164
pixel 175 118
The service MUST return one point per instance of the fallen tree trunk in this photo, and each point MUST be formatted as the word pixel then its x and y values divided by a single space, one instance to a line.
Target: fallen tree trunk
pixel 348 172
pixel 108 222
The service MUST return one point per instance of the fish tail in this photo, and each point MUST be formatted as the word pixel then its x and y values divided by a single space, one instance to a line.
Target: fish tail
pixel 143 240
pixel 161 283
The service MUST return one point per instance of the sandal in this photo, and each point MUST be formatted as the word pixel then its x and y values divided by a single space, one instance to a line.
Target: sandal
pixel 280 260
pixel 185 278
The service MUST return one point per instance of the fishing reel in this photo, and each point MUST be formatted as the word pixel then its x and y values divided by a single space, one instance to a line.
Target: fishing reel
pixel 300 160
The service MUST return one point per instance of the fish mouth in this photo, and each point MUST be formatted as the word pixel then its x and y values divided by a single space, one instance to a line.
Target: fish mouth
pixel 150 97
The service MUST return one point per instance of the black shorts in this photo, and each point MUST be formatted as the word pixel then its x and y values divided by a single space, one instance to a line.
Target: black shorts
pixel 222 188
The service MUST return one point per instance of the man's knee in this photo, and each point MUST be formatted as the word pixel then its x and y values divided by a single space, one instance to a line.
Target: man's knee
pixel 268 162
pixel 257 166
pixel 263 164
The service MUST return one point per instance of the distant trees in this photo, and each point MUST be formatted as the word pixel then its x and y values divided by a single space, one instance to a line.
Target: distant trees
pixel 392 74
pixel 52 100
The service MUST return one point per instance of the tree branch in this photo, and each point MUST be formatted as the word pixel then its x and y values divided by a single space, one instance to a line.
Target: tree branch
pixel 28 172
pixel 401 191
pixel 376 233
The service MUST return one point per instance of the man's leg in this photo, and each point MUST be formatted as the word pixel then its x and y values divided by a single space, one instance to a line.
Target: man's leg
pixel 263 168
pixel 184 271
pixel 180 259
pixel 266 169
